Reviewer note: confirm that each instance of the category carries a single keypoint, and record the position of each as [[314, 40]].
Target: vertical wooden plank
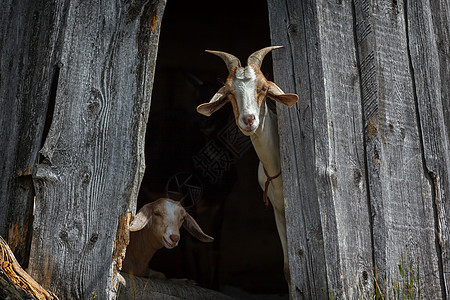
[[400, 189], [322, 148], [440, 14], [428, 31], [93, 160], [26, 72], [304, 229]]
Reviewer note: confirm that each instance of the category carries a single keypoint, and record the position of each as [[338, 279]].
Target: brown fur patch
[[233, 101]]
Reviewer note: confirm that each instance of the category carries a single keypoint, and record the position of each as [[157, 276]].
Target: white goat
[[246, 89], [155, 226]]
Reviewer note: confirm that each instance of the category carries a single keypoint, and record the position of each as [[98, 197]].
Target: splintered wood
[[12, 269]]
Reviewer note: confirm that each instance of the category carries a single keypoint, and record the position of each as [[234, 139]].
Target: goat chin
[[248, 131]]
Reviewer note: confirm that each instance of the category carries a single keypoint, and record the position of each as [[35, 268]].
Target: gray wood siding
[[365, 151], [26, 75], [94, 61], [429, 40]]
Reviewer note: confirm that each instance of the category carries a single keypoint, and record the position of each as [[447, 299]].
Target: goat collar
[[266, 185]]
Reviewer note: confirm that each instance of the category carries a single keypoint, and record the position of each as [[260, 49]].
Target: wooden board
[[92, 160], [400, 188], [132, 287], [428, 32], [322, 150], [15, 283], [366, 150], [26, 74]]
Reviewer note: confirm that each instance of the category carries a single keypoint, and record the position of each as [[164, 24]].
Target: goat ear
[[142, 218], [217, 101], [275, 93], [192, 227]]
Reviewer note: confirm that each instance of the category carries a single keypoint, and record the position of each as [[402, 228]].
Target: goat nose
[[248, 119], [175, 238]]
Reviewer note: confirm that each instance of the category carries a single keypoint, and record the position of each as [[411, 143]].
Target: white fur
[[172, 214], [244, 88]]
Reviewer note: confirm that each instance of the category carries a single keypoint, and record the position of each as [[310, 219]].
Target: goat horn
[[257, 57], [231, 60]]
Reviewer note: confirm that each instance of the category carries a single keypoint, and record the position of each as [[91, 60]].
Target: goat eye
[[156, 213]]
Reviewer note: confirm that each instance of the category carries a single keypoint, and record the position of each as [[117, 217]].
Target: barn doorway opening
[[207, 162]]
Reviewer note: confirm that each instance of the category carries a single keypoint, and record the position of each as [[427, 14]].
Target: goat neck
[[266, 142], [141, 249]]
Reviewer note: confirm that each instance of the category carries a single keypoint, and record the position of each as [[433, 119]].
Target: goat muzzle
[[248, 119], [174, 238]]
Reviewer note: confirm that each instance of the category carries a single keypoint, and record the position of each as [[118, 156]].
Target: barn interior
[[206, 162]]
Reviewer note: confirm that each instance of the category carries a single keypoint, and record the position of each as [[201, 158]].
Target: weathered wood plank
[[93, 160], [430, 62], [132, 287], [304, 229], [26, 74], [400, 190], [323, 149], [24, 284], [8, 290], [440, 14]]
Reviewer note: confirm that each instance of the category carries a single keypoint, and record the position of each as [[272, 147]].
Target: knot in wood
[[365, 276], [292, 28], [63, 235], [94, 238]]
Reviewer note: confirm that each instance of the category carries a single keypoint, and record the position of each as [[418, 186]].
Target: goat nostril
[[248, 119], [175, 238]]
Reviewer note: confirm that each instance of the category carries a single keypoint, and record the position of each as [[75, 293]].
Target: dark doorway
[[217, 163]]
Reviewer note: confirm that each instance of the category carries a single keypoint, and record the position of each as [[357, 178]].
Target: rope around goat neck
[[266, 185]]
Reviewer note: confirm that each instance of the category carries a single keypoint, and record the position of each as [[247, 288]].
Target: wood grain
[[132, 287], [26, 75], [400, 188], [92, 159], [24, 285], [430, 64], [366, 149], [322, 149]]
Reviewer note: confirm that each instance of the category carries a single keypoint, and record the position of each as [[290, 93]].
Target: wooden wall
[[366, 150], [85, 68]]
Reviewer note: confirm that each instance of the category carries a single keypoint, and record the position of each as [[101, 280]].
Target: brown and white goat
[[247, 88], [155, 226]]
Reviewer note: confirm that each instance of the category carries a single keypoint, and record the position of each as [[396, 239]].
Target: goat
[[156, 225], [246, 89]]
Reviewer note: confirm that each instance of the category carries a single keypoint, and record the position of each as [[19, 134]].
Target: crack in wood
[[15, 273]]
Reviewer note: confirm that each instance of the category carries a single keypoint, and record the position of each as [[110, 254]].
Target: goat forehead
[[173, 210], [244, 83], [246, 73]]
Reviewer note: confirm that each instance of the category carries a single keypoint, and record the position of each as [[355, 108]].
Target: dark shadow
[[192, 156]]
